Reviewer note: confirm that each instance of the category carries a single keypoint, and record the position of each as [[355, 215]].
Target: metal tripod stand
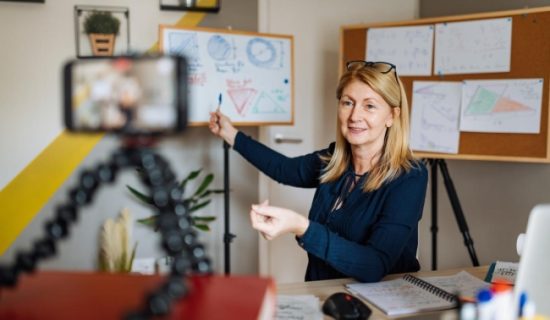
[[457, 209]]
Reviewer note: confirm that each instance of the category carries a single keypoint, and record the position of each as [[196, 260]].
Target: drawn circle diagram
[[219, 48], [261, 52]]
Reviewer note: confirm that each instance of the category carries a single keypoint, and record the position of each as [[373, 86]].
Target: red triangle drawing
[[509, 105], [241, 98]]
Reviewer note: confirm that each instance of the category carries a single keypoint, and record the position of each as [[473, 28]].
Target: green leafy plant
[[101, 22], [195, 201]]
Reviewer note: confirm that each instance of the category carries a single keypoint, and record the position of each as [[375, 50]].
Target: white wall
[[35, 41]]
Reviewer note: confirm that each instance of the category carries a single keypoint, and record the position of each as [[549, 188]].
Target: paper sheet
[[463, 283], [473, 46], [435, 116], [501, 106], [409, 48], [298, 307]]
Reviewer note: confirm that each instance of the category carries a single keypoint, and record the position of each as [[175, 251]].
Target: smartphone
[[126, 95]]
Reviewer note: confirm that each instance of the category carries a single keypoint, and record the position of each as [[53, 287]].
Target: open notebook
[[410, 294]]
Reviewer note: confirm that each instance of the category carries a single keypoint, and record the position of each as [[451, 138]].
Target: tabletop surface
[[323, 289]]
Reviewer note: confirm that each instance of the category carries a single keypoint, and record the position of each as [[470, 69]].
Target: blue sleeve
[[398, 221], [303, 171]]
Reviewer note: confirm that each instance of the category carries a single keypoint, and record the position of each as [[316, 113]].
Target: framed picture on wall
[[191, 5], [101, 31], [35, 1]]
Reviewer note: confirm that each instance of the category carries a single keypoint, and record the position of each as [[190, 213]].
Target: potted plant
[[193, 201], [102, 28], [116, 252]]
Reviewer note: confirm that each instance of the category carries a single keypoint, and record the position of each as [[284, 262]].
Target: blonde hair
[[395, 155]]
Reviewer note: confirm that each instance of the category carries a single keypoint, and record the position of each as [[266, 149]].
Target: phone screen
[[126, 94]]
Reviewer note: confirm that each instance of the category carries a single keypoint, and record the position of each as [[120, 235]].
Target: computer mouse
[[341, 305]]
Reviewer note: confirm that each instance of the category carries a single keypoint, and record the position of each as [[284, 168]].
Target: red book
[[81, 295]]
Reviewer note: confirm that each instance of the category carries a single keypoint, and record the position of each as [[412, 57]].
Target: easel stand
[[227, 235], [457, 209]]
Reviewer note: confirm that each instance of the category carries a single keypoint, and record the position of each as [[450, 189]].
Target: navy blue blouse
[[369, 236]]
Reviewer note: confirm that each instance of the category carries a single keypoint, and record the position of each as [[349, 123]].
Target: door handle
[[279, 138]]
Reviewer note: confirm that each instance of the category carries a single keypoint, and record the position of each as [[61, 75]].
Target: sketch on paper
[[252, 72], [435, 116], [409, 48], [501, 106], [473, 46]]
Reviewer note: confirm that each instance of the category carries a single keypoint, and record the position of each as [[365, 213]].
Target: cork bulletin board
[[530, 58]]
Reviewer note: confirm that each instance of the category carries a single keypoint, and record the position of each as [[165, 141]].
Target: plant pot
[[102, 44]]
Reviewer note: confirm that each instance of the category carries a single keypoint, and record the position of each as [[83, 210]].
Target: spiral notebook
[[410, 294]]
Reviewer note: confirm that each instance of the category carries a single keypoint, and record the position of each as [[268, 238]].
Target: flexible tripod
[[457, 210], [173, 220]]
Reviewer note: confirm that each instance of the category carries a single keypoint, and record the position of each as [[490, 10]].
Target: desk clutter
[[410, 294], [502, 270]]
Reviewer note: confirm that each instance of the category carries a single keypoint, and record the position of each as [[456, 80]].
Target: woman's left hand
[[272, 222]]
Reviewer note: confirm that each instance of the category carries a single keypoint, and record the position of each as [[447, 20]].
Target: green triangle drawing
[[266, 104]]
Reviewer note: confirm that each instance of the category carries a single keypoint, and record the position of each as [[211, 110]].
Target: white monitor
[[534, 266]]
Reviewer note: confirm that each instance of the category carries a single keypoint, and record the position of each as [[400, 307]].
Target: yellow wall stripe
[[31, 189]]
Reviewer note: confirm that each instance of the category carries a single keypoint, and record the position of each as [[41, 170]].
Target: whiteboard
[[251, 72]]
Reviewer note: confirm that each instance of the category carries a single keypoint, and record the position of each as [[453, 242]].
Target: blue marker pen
[[219, 102], [522, 301]]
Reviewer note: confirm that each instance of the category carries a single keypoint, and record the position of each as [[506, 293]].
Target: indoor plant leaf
[[150, 221], [144, 198], [192, 175], [210, 191], [202, 227], [199, 206], [204, 219], [204, 185]]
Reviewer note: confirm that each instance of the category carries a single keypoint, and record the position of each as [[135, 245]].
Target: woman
[[363, 221]]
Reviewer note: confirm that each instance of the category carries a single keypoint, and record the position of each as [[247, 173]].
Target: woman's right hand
[[221, 126]]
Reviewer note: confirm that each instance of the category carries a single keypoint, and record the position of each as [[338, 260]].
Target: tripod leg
[[459, 214], [227, 236], [434, 228]]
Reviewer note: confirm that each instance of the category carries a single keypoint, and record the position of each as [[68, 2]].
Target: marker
[[219, 102]]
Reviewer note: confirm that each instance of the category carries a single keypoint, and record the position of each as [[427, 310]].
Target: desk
[[323, 289]]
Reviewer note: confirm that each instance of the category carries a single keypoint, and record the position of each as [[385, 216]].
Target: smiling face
[[364, 116]]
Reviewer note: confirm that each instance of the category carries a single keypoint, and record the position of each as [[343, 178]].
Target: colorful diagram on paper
[[501, 106], [488, 101]]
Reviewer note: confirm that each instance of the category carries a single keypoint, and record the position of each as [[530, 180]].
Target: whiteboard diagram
[[501, 106], [185, 44], [435, 115], [253, 73]]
